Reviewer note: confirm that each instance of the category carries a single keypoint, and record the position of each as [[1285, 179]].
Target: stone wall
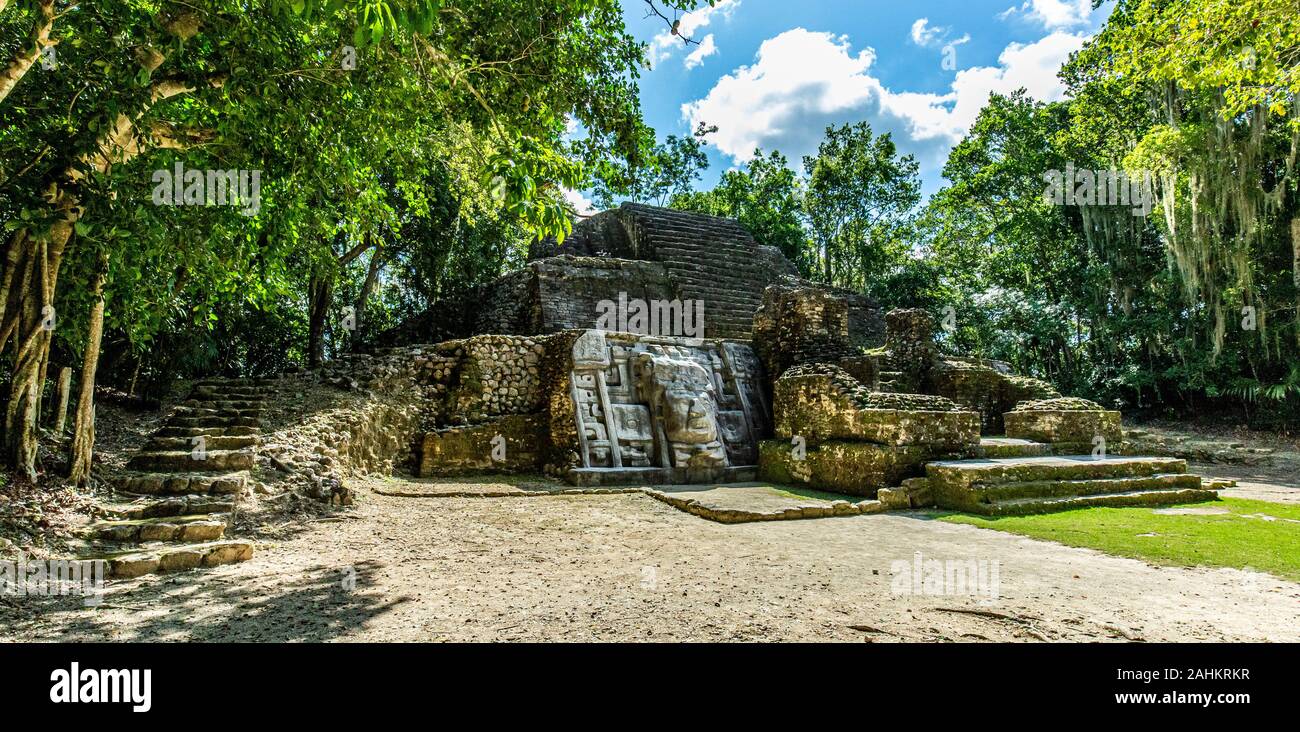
[[1070, 424], [506, 305], [568, 289], [666, 403], [512, 444], [604, 234], [594, 401], [982, 388], [834, 433], [475, 379], [820, 402]]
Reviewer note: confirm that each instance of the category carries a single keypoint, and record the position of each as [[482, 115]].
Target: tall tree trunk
[[20, 288], [367, 289], [83, 431], [14, 71], [14, 248], [61, 409], [25, 316], [35, 329], [1295, 272], [320, 295]]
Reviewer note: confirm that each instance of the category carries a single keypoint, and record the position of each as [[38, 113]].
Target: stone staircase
[[711, 259], [1021, 479], [184, 485]]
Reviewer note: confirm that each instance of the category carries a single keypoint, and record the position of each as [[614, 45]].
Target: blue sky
[[775, 73]]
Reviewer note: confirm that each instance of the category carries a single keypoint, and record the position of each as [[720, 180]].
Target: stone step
[[714, 300], [183, 505], [739, 283], [174, 431], [151, 484], [1009, 447], [1024, 506], [231, 392], [224, 408], [696, 230], [963, 473], [236, 382], [134, 563], [193, 528], [185, 460], [210, 442], [669, 234], [190, 410], [212, 421], [739, 276], [746, 267], [1000, 492]]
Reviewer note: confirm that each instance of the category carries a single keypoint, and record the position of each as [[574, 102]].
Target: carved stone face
[[685, 395], [684, 398], [690, 416]]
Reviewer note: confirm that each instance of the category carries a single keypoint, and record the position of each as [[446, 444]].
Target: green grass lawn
[[1243, 537]]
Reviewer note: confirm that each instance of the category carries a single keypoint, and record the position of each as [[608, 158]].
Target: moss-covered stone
[[977, 385], [1074, 427], [468, 450], [855, 468], [821, 402]]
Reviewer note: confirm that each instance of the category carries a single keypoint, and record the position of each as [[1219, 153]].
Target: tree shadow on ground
[[323, 603]]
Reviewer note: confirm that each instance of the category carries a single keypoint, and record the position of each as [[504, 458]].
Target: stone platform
[[591, 477], [737, 503], [1025, 485]]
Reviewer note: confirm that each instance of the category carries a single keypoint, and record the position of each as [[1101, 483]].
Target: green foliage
[[858, 198], [1141, 310], [658, 173], [436, 142]]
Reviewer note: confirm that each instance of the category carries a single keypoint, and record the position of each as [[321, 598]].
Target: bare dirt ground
[[627, 568]]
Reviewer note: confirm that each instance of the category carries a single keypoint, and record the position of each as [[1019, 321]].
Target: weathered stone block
[[180, 559], [1064, 421], [855, 468], [830, 405], [133, 565], [467, 450]]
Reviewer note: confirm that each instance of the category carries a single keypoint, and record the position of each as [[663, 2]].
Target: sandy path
[[1279, 482], [627, 567]]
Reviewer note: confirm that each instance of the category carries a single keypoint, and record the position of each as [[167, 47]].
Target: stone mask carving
[[682, 394]]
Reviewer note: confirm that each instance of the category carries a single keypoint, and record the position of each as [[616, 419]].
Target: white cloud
[[663, 45], [1054, 14], [1033, 66], [581, 203], [924, 34], [706, 48], [803, 81]]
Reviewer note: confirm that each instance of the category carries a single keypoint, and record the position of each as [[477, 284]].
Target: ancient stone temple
[[640, 253], [788, 381], [596, 407]]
